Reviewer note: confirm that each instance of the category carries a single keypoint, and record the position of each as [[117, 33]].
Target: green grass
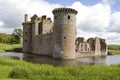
[[14, 69], [6, 47], [115, 51]]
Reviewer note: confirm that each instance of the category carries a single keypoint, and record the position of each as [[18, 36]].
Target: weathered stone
[[58, 39], [92, 47]]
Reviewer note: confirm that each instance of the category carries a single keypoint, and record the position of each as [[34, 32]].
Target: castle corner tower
[[64, 32]]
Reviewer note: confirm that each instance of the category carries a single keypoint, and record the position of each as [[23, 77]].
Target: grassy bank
[[114, 51], [8, 47], [13, 69]]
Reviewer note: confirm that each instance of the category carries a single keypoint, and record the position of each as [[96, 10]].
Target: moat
[[108, 60]]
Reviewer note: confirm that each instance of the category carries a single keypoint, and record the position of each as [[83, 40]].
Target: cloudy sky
[[95, 18]]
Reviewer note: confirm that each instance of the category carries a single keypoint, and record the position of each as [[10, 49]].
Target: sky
[[95, 18]]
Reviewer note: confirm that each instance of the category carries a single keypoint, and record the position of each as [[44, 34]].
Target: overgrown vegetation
[[9, 47], [115, 49], [14, 38], [13, 69]]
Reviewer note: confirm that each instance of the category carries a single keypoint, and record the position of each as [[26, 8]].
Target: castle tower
[[27, 35], [26, 18], [65, 32]]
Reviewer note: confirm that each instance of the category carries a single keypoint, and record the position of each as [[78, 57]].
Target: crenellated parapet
[[41, 19], [69, 10]]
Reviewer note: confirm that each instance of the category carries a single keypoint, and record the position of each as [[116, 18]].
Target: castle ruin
[[58, 39]]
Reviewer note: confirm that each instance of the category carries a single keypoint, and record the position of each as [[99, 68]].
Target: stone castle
[[58, 39]]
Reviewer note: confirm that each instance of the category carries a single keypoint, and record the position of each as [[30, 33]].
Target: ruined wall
[[91, 41], [38, 35], [92, 47], [65, 32], [43, 44], [103, 47], [84, 47], [77, 42], [42, 36], [47, 25], [97, 46]]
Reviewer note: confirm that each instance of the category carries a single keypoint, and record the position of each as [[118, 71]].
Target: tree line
[[14, 38], [114, 47]]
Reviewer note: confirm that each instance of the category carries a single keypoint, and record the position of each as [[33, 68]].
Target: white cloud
[[111, 37], [115, 22], [92, 18], [1, 23], [12, 11]]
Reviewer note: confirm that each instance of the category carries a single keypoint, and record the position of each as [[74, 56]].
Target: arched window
[[68, 16]]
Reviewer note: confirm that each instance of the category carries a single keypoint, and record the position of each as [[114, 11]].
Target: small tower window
[[55, 17], [25, 40], [64, 37], [26, 33], [68, 16]]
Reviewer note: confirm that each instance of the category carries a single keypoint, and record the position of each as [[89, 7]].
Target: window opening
[[68, 16], [25, 40], [64, 37]]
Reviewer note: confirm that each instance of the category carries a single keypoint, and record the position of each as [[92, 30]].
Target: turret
[[26, 18], [27, 35], [65, 32]]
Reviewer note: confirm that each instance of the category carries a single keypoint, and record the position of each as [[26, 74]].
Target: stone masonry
[[58, 39]]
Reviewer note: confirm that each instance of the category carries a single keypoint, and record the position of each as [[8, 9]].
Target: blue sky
[[70, 2], [115, 5], [95, 18]]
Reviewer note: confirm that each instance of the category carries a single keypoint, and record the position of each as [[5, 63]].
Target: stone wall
[[91, 47], [43, 44]]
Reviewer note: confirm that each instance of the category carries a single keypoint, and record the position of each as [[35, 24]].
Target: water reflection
[[113, 59], [48, 60]]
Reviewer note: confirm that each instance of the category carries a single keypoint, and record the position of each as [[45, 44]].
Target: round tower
[[65, 32]]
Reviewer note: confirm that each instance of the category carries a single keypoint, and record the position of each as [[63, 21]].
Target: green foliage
[[13, 38], [17, 33], [115, 49], [14, 69], [8, 47], [6, 38]]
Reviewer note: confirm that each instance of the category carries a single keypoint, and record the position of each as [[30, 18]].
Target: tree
[[17, 33]]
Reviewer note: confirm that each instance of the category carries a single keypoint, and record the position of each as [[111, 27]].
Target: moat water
[[108, 60]]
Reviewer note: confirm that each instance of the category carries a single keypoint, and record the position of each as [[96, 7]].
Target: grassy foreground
[[4, 47], [14, 69]]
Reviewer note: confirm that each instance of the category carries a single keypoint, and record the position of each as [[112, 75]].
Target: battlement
[[57, 10], [45, 18], [40, 19]]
